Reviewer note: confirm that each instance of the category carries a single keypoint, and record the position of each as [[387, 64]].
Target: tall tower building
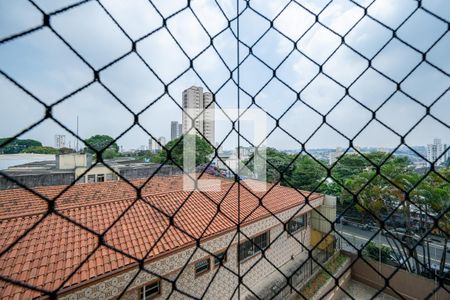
[[175, 130], [435, 150], [196, 103]]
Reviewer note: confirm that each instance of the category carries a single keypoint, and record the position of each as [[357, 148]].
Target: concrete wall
[[332, 291], [145, 172], [328, 210], [38, 180], [72, 161], [410, 286], [224, 284], [97, 170]]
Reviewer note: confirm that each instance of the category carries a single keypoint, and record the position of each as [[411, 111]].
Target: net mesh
[[249, 57]]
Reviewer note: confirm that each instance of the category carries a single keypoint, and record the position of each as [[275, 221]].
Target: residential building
[[153, 145], [9, 160], [229, 161], [199, 113], [176, 130], [334, 155], [276, 237], [435, 150], [78, 168], [162, 141]]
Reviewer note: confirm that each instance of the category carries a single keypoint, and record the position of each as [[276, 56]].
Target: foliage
[[202, 150], [41, 150], [103, 143], [374, 251], [17, 145], [145, 155], [301, 172], [109, 154], [66, 150], [321, 278], [307, 174]]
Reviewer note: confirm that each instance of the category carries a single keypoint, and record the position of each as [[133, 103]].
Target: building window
[[202, 266], [150, 291], [109, 177], [91, 178], [100, 178], [297, 223], [220, 258], [253, 246]]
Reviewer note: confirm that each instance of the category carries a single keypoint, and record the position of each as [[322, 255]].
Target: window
[[100, 178], [202, 267], [150, 291], [297, 223], [91, 178], [109, 177], [220, 257], [253, 246]]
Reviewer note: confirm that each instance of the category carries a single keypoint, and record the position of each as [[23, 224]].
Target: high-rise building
[[162, 140], [60, 141], [334, 155], [435, 150], [153, 145], [199, 105], [176, 130]]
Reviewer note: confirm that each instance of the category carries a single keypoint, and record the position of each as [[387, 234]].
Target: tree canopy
[[103, 142], [41, 150], [17, 145], [301, 172], [202, 150]]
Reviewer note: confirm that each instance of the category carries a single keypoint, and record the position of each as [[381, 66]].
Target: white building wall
[[281, 252]]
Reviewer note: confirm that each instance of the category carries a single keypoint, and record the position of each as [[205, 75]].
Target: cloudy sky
[[295, 47]]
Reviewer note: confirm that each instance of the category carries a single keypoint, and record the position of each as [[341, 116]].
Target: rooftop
[[55, 247]]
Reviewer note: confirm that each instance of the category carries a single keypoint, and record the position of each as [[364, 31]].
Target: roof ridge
[[92, 204]]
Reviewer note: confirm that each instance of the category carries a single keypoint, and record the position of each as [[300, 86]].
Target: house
[[65, 169], [102, 241]]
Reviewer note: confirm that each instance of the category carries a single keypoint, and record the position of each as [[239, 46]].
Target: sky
[[47, 68]]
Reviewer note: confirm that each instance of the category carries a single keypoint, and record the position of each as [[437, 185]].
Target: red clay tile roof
[[56, 248]]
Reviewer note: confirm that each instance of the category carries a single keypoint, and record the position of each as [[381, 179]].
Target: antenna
[[76, 148]]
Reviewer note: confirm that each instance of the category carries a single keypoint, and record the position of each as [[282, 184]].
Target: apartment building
[[436, 152], [199, 247], [176, 130], [199, 113]]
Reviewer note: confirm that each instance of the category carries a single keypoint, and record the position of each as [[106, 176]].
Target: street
[[357, 237]]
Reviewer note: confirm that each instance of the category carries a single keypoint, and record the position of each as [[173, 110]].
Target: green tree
[[349, 165], [109, 154], [17, 145], [66, 150], [277, 162], [100, 142], [432, 196], [202, 150], [145, 155], [41, 150], [308, 174], [376, 252]]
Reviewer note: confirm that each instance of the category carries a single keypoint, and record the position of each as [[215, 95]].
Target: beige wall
[[94, 171], [225, 282], [417, 287], [71, 161]]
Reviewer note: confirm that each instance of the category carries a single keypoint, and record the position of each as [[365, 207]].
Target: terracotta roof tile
[[54, 249]]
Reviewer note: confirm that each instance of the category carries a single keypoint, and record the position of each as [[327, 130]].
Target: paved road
[[357, 237]]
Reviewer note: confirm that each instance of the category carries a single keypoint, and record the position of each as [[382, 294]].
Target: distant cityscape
[[199, 105]]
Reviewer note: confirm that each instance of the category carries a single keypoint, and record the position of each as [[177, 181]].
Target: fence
[[249, 67]]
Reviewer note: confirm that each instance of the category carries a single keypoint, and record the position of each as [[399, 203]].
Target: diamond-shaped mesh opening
[[321, 162]]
